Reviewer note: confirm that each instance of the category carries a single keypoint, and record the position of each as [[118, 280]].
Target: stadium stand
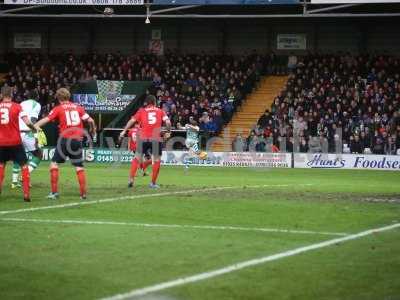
[[324, 97], [357, 97], [209, 87], [256, 103], [2, 78]]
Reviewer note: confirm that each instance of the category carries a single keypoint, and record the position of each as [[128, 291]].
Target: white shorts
[[29, 141], [192, 145]]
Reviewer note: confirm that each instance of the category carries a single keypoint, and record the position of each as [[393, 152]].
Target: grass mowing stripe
[[246, 264], [4, 212], [209, 227]]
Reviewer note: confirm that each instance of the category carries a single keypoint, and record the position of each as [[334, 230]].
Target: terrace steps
[[251, 110]]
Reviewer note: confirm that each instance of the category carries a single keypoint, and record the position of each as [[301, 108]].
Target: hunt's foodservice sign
[[346, 161]]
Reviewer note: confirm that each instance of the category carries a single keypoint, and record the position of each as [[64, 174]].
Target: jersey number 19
[[72, 118]]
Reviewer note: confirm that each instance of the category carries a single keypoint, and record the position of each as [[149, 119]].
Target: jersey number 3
[[4, 116], [72, 118]]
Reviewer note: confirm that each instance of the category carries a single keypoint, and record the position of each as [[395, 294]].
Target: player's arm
[[168, 126], [180, 127], [195, 128], [128, 125], [28, 123], [51, 117], [36, 113], [39, 124], [129, 143], [92, 124]]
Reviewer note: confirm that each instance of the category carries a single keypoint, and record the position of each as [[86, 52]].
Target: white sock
[[15, 177]]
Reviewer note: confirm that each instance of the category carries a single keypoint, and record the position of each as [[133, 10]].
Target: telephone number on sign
[[114, 158]]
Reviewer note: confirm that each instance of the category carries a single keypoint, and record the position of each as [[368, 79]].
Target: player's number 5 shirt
[[150, 119]]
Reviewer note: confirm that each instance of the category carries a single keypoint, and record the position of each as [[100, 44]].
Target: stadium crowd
[[327, 97], [209, 87], [356, 98]]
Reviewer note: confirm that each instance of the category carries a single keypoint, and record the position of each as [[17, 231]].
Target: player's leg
[[135, 165], [156, 152], [58, 158], [197, 152], [186, 160], [54, 177], [20, 157], [131, 170], [31, 146], [195, 149], [146, 163], [2, 170], [16, 170], [75, 153], [35, 159], [137, 161], [3, 161], [81, 175]]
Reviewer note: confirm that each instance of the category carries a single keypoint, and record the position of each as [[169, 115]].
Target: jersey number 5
[[4, 116], [151, 118], [72, 118]]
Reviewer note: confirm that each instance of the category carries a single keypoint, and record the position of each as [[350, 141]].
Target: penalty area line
[[132, 197], [243, 265], [174, 226]]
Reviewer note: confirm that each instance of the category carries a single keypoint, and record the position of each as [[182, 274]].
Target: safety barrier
[[250, 159]]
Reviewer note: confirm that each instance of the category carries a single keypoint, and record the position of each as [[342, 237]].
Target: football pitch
[[209, 233]]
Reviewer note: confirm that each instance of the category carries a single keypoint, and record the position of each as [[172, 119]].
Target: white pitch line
[[242, 265], [4, 212], [152, 225]]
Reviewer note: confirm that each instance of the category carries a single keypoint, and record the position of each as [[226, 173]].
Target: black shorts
[[148, 147], [69, 148], [14, 153]]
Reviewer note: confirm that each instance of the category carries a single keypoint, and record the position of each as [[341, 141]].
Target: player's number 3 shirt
[[10, 113]]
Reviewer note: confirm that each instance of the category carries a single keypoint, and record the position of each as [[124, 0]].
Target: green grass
[[90, 261]]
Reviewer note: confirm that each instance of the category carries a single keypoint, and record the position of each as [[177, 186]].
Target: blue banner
[[108, 96]]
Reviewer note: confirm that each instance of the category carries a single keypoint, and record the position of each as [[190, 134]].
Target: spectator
[[349, 96], [239, 144], [215, 84], [303, 148], [264, 119], [292, 62], [378, 147], [356, 145]]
